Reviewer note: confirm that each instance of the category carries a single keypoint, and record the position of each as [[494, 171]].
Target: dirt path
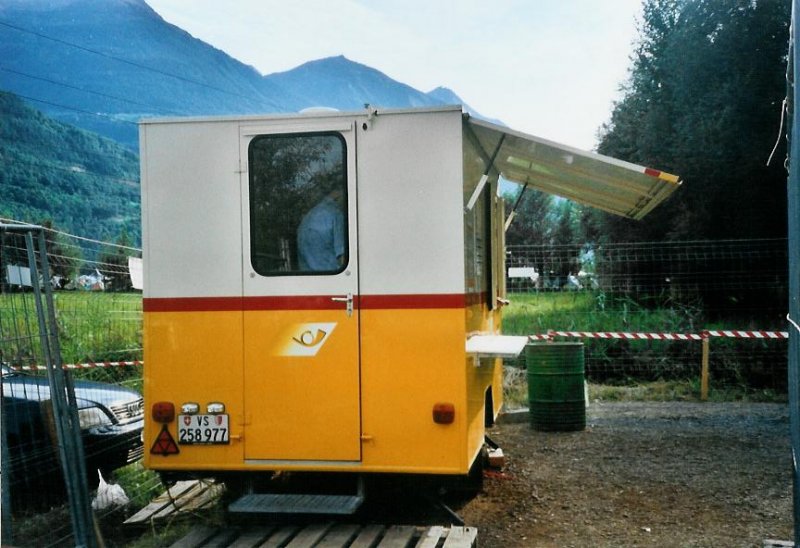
[[643, 474]]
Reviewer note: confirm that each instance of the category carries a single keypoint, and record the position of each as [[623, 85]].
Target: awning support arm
[[485, 176], [516, 205]]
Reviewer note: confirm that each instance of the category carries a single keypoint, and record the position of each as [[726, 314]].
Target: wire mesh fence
[[659, 288], [729, 276], [651, 288], [94, 325]]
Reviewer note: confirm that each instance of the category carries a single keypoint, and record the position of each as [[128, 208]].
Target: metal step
[[293, 503]]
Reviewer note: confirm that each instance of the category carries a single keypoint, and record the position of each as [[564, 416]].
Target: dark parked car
[[111, 420]]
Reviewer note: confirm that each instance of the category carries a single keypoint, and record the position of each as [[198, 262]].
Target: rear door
[[300, 293]]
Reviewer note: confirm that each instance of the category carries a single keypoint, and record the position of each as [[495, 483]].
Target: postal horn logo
[[309, 339], [306, 339]]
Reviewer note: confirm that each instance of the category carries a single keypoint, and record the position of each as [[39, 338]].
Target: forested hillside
[[85, 184]]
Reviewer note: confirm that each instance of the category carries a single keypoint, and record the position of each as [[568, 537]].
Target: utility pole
[[794, 262]]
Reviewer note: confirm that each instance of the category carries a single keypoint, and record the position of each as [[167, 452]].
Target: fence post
[[6, 537], [704, 367], [62, 395]]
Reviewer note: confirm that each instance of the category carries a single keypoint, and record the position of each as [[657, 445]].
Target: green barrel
[[556, 394]]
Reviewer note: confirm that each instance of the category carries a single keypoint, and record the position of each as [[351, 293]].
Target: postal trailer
[[384, 359]]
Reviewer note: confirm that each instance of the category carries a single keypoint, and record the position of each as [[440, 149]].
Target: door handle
[[348, 299]]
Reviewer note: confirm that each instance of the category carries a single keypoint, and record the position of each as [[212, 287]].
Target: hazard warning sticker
[[164, 444]]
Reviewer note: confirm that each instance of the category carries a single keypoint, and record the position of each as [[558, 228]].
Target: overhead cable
[[64, 84], [122, 60]]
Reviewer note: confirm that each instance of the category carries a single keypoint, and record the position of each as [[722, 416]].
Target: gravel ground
[[642, 474]]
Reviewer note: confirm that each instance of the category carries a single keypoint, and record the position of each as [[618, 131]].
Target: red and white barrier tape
[[539, 337], [751, 334], [637, 336], [662, 336], [87, 365]]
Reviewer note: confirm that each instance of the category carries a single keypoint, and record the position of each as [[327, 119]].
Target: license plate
[[203, 429]]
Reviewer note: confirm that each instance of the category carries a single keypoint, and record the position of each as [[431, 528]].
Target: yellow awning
[[592, 179]]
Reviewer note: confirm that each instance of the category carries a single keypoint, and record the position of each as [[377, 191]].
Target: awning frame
[[612, 185]]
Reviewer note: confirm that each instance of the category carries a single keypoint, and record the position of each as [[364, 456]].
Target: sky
[[551, 68]]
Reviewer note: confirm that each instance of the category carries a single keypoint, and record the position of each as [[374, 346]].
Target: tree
[[64, 258], [565, 230], [703, 100], [114, 263], [532, 224]]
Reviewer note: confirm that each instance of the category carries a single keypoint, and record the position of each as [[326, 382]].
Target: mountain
[[103, 64], [120, 60], [345, 85], [86, 184], [446, 96]]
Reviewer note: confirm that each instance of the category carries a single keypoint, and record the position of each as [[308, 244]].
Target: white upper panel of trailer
[[592, 179]]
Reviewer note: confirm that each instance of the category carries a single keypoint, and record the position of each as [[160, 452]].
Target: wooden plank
[[224, 537], [338, 536], [398, 536], [704, 371], [158, 503], [197, 536], [184, 500], [203, 498], [368, 536], [330, 535], [310, 535], [461, 537], [430, 539], [252, 537], [280, 537]]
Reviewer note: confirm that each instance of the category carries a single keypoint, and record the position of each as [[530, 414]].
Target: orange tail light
[[444, 413]]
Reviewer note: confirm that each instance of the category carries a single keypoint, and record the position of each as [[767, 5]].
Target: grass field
[[534, 313], [92, 327], [645, 370]]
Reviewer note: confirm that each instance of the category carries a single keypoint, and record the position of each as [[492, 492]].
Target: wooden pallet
[[330, 535], [187, 496], [184, 496]]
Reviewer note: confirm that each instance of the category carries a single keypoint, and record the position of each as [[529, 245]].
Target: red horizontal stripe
[[310, 302], [301, 302], [192, 304], [377, 302]]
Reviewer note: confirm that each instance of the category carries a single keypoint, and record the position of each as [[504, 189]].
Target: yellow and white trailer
[[386, 360]]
